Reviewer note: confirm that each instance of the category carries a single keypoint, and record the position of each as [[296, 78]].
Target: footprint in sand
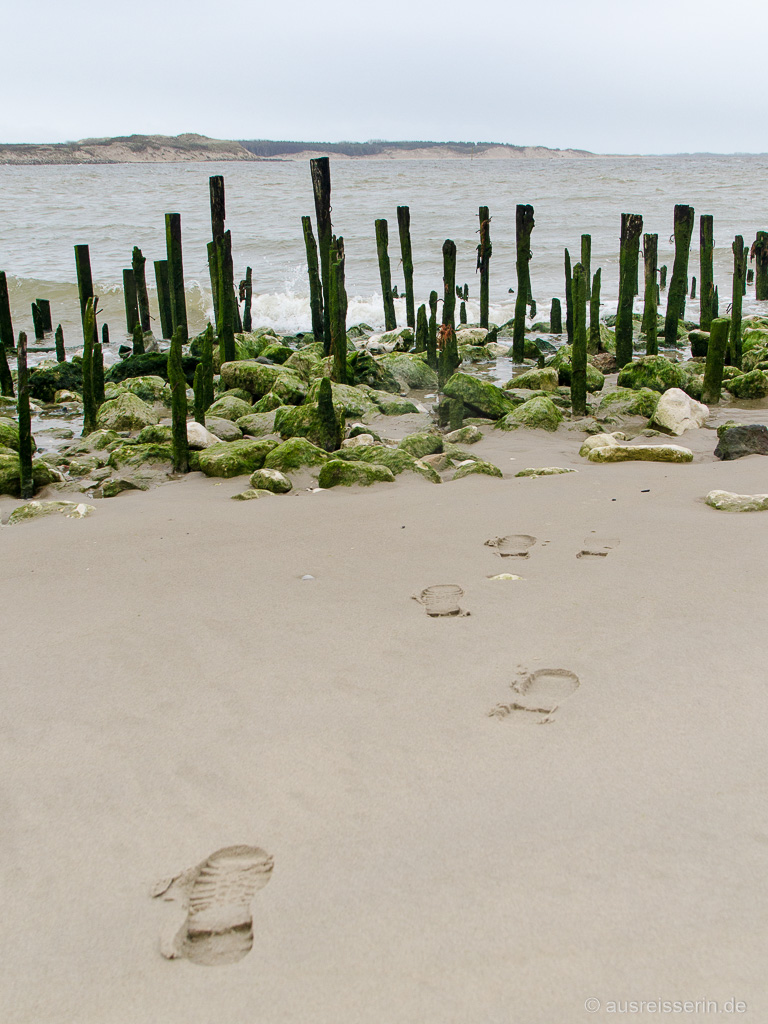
[[516, 545], [213, 924], [539, 693], [597, 547], [441, 600]]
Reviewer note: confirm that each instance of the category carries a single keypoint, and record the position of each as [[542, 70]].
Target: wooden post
[[213, 273], [84, 283], [404, 227], [338, 298], [61, 354], [449, 283], [6, 324], [706, 271], [750, 276], [131, 302], [448, 360], [579, 353], [715, 304], [218, 206], [206, 362], [524, 225], [568, 298], [44, 306], [382, 244], [37, 322], [586, 262], [89, 398], [713, 371], [684, 216], [198, 387], [320, 169], [593, 344], [164, 297], [178, 382], [176, 274], [138, 340], [650, 254], [422, 330], [248, 297], [462, 312], [663, 276], [315, 284], [760, 254], [138, 262], [432, 332], [484, 253], [6, 377], [693, 288], [631, 229], [104, 336], [226, 289], [739, 273], [97, 374], [25, 428], [555, 318]]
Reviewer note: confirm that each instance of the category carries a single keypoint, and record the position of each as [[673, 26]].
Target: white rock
[[471, 335], [598, 441], [727, 501], [359, 440], [198, 436], [498, 350], [678, 412]]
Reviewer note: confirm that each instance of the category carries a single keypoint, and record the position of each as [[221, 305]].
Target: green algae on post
[[44, 306], [555, 317], [90, 408], [6, 323], [61, 353], [579, 352], [650, 253], [631, 229], [593, 345], [198, 388], [97, 374], [84, 283], [246, 293], [25, 422], [37, 322], [338, 311], [176, 274], [449, 283], [422, 330], [320, 170], [315, 284], [739, 273], [178, 382], [462, 312], [227, 304], [713, 372], [138, 340], [404, 227], [138, 262], [586, 262], [524, 225], [164, 297], [484, 253], [131, 302], [218, 206], [760, 255], [432, 332], [206, 365], [385, 274], [568, 298], [684, 217]]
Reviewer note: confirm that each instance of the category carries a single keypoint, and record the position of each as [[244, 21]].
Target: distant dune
[[190, 148]]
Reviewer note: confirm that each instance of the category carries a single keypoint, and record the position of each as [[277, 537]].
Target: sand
[[172, 686]]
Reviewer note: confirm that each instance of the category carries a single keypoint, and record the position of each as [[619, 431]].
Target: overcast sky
[[612, 76]]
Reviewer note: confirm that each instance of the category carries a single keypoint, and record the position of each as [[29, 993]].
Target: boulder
[[699, 342], [268, 403], [626, 402], [126, 412], [10, 478], [135, 455], [44, 383], [537, 414], [409, 370], [228, 407], [655, 372], [67, 398], [251, 493], [471, 335], [155, 433], [149, 389], [37, 509], [676, 412], [199, 437], [641, 453], [9, 434], [148, 364], [755, 359], [225, 430], [421, 444], [477, 466], [605, 362], [321, 422], [562, 360], [738, 441], [293, 454], [389, 404], [306, 364], [260, 378], [354, 401], [358, 440], [545, 471], [259, 424], [536, 380], [478, 395], [270, 480], [395, 459], [277, 352], [599, 441], [336, 472], [749, 385], [117, 485], [464, 435], [234, 458], [362, 368], [727, 501]]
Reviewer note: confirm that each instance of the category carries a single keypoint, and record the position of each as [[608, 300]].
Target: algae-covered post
[[524, 225], [176, 273], [750, 276], [449, 283], [178, 382], [44, 306], [37, 322], [338, 300], [715, 304], [198, 388], [422, 330], [713, 371], [739, 273], [555, 317], [760, 255], [138, 262], [218, 206], [315, 285], [320, 170], [226, 298], [568, 298], [462, 312], [663, 276], [593, 344], [650, 254], [84, 283], [579, 352], [89, 398], [105, 335], [693, 287], [97, 374], [164, 297], [6, 323], [404, 227], [631, 229], [131, 302], [432, 331], [484, 253], [61, 354], [684, 216], [247, 299], [138, 340], [206, 362], [586, 262], [382, 250], [25, 422]]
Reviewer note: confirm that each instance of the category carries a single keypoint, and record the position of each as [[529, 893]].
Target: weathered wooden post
[[44, 306], [320, 170], [25, 421], [579, 352], [61, 354], [715, 304], [684, 216], [338, 299], [6, 377], [650, 323], [315, 284], [484, 253], [449, 283], [462, 312], [131, 302], [138, 340], [218, 206], [555, 317], [631, 229], [138, 262], [760, 254], [739, 273], [586, 262], [432, 359], [404, 227], [331, 435], [176, 274], [37, 322], [422, 330], [524, 225], [84, 283], [206, 362], [382, 249], [178, 382], [89, 339], [248, 300], [593, 344], [713, 371], [104, 336], [750, 276], [568, 298], [706, 269], [198, 387], [226, 288], [97, 375], [164, 297], [693, 288], [6, 323]]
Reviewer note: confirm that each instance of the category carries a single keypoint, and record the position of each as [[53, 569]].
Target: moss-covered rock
[[471, 336], [9, 434], [270, 480], [225, 430], [95, 442], [626, 402], [268, 403], [155, 434], [395, 459], [336, 472], [362, 368], [293, 454], [230, 408], [477, 466], [306, 364], [321, 423], [234, 458], [83, 465], [544, 471], [475, 353], [135, 455], [148, 389], [260, 378], [749, 385], [562, 362], [38, 509], [479, 396], [10, 479], [755, 359], [753, 338], [148, 364], [259, 424], [536, 380], [126, 412], [409, 370], [251, 494], [354, 401], [421, 444], [727, 501], [44, 383], [464, 435], [537, 414], [277, 352], [655, 372], [641, 453], [389, 404]]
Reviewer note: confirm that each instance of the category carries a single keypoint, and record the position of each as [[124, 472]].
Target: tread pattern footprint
[[539, 693], [598, 547], [215, 898], [516, 545]]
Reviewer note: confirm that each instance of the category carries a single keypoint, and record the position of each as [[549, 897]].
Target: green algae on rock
[[727, 501], [9, 434], [229, 407], [539, 413], [655, 372], [544, 471], [265, 479], [293, 454], [421, 444], [251, 494], [477, 466], [234, 458], [126, 412], [409, 370], [626, 402], [478, 395], [749, 385], [395, 459], [37, 509], [337, 472], [546, 379], [10, 475], [641, 453]]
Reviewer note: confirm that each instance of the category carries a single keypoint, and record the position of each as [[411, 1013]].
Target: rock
[[148, 364], [561, 362], [111, 488], [155, 433], [36, 509], [626, 402], [736, 442], [755, 359], [474, 353], [536, 380], [754, 338], [9, 434], [409, 370], [126, 412], [306, 364], [260, 378], [259, 424], [295, 453], [421, 444], [471, 335], [84, 465], [234, 458], [44, 383], [270, 480], [225, 430], [149, 389], [699, 342], [464, 435], [477, 466], [479, 395], [438, 462], [336, 472], [389, 404], [199, 437], [277, 353], [268, 403], [536, 414], [599, 441], [250, 494], [357, 440], [641, 453], [676, 412], [727, 501], [136, 455], [362, 428], [354, 401], [230, 408], [654, 372], [67, 398], [605, 362], [95, 442], [395, 459], [749, 385], [10, 479], [59, 433], [545, 471], [322, 425]]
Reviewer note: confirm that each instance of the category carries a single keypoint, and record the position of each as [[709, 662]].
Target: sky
[[610, 76]]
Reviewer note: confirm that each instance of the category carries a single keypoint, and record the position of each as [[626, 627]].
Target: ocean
[[46, 210]]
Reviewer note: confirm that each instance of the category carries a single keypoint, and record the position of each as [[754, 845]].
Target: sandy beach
[[174, 686]]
